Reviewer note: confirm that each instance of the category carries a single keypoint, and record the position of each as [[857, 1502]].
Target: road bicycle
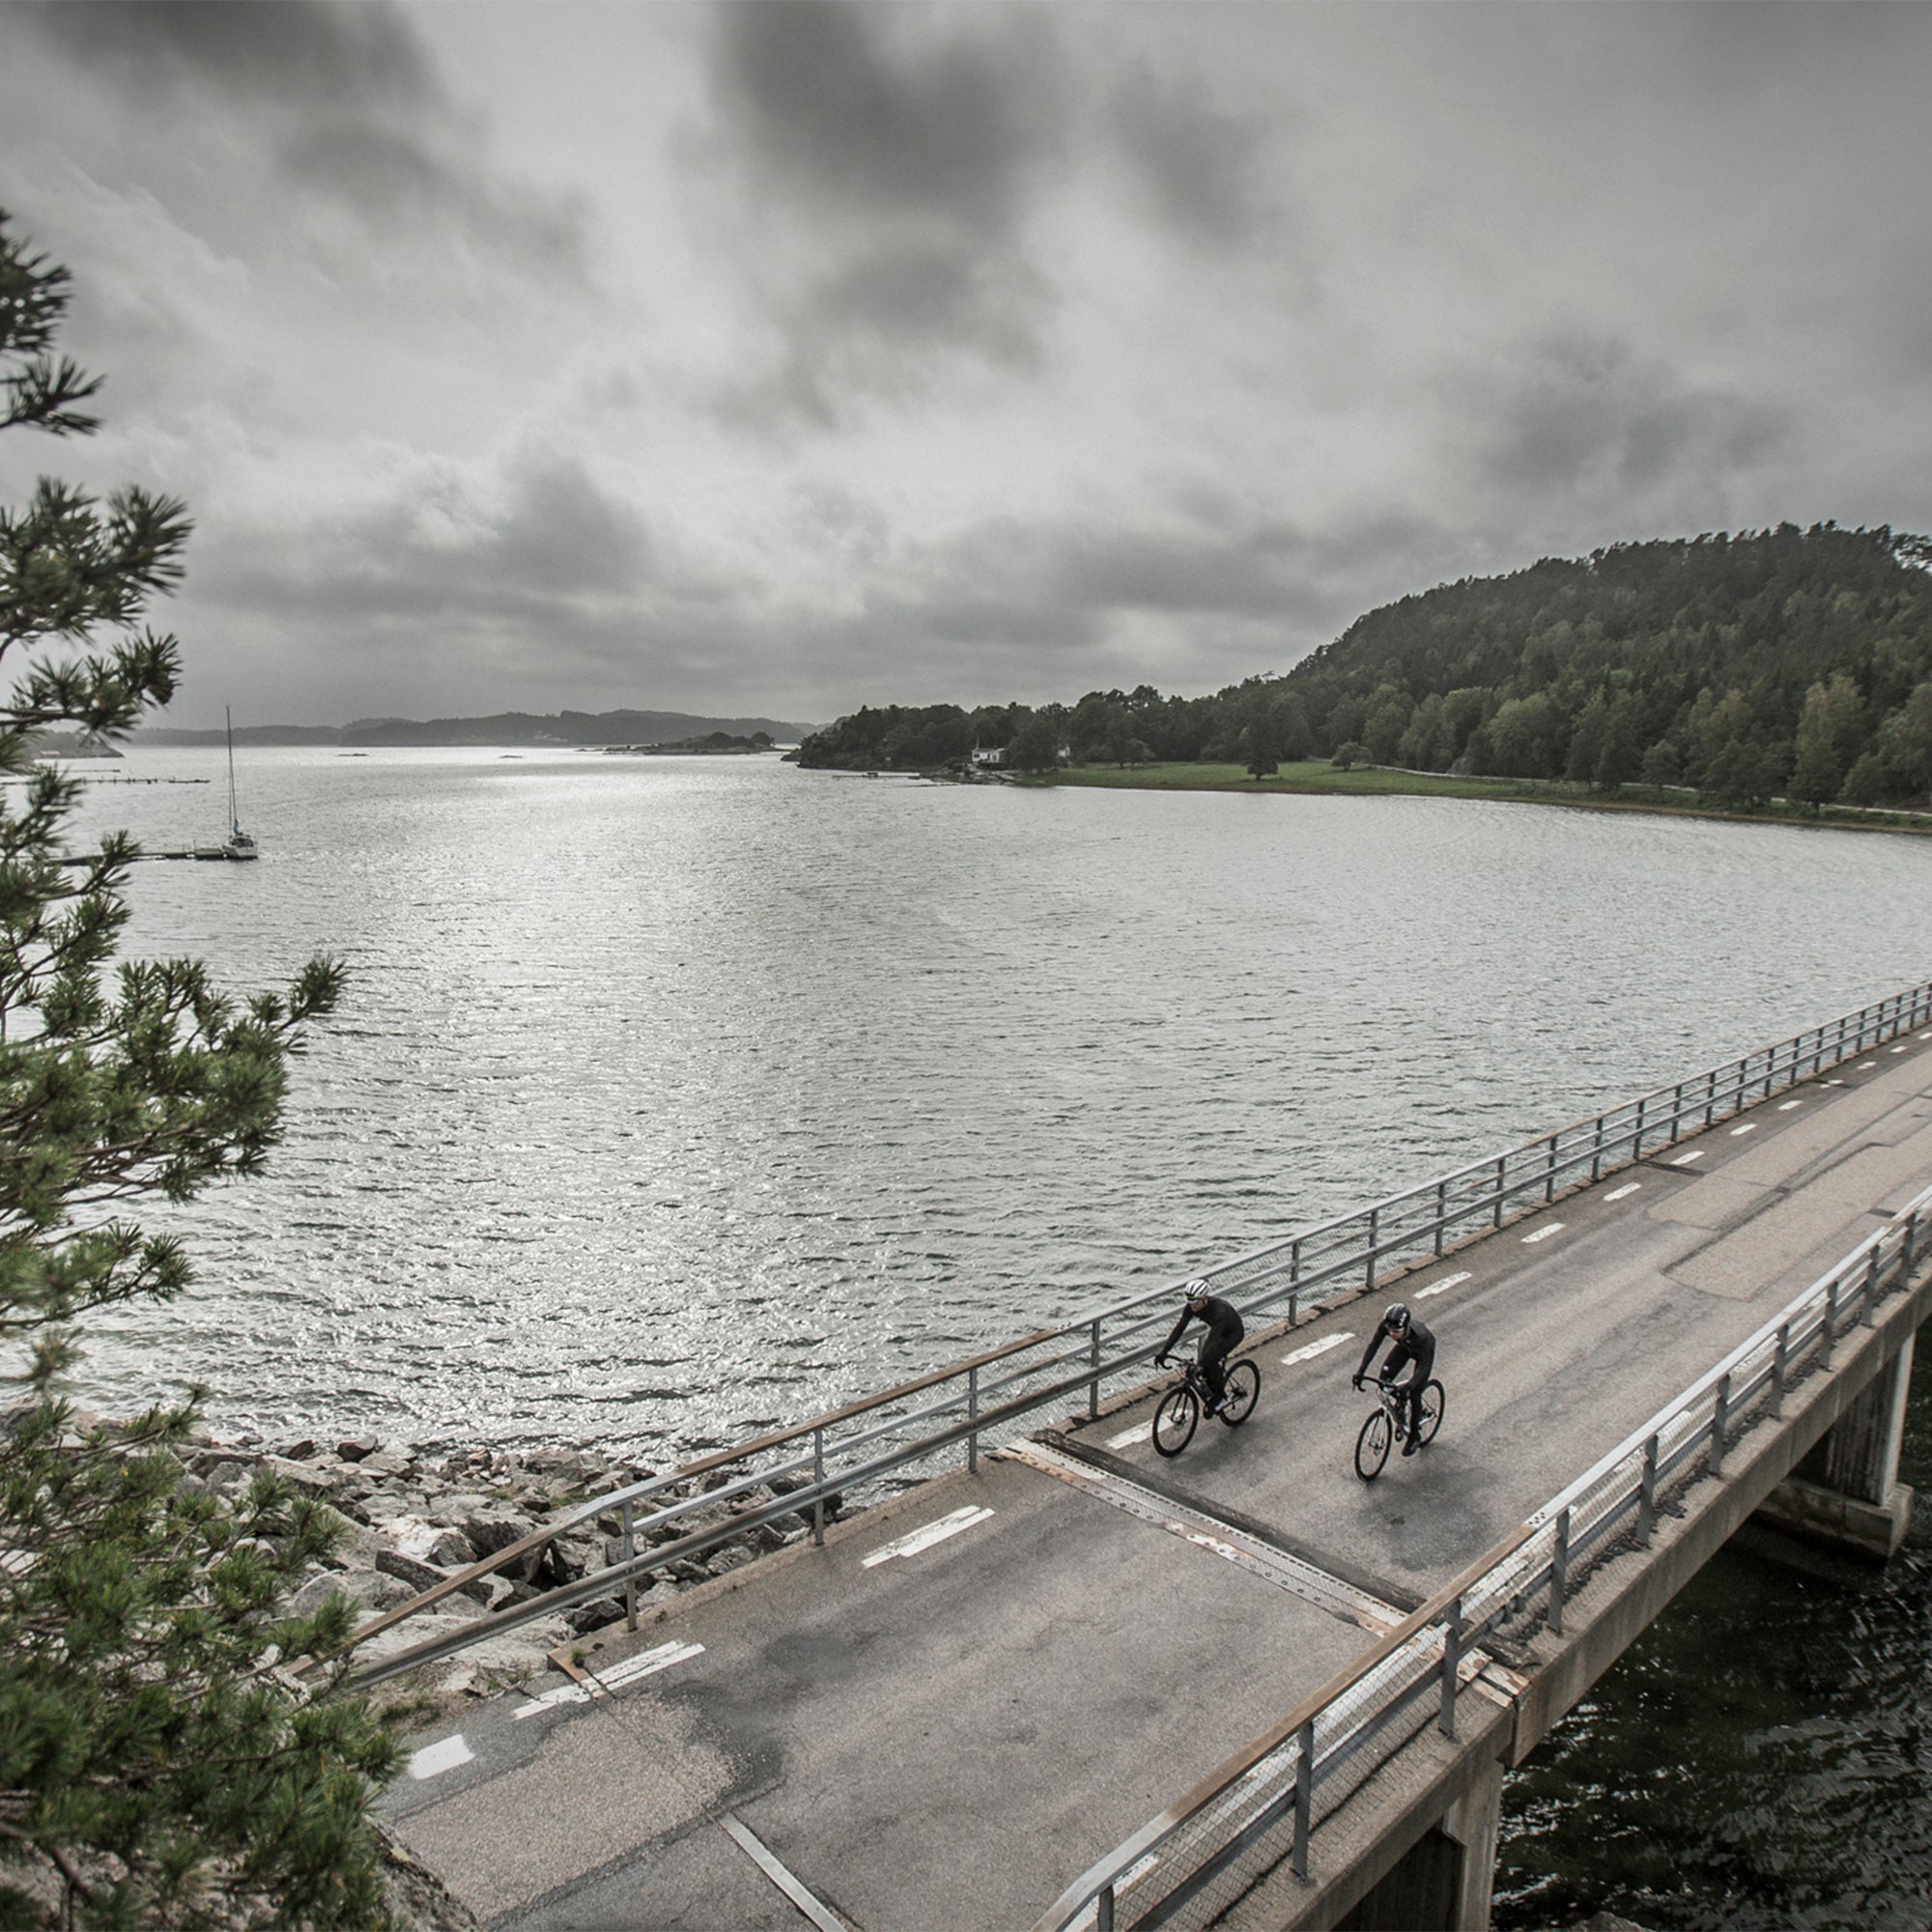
[[1180, 1408], [1386, 1423]]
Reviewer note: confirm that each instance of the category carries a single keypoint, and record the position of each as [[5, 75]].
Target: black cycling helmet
[[1397, 1317], [1194, 1291]]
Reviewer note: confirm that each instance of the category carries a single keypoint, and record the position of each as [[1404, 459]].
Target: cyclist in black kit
[[1224, 1330], [1413, 1343]]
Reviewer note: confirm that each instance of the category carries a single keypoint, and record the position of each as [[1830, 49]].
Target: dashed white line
[[1901, 1049], [1543, 1233], [916, 1540], [433, 1760], [1749, 1127], [1313, 1349], [1448, 1281], [1866, 1066], [1685, 1159], [1139, 1432], [647, 1663], [1785, 1106], [1628, 1187]]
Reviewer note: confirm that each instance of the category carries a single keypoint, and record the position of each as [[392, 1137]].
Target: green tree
[[158, 1766], [1040, 740], [1350, 754]]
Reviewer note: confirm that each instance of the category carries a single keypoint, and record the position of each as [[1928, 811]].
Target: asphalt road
[[949, 1711]]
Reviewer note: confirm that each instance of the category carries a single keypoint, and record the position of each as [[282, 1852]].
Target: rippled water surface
[[674, 1096]]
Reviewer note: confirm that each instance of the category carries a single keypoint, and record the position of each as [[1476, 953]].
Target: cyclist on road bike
[[1413, 1343], [1224, 1330]]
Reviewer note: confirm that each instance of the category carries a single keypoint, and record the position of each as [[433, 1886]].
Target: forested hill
[[1785, 662]]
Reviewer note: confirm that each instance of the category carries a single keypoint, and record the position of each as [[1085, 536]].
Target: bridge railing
[[807, 1472], [1262, 1807]]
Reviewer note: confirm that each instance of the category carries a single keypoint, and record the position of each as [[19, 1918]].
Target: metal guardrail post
[[1501, 1158], [1636, 1139], [1646, 1496], [1721, 1416], [1710, 1097], [1442, 1210], [1677, 1113], [1103, 1911], [1559, 1572], [1549, 1175], [1868, 1302], [818, 1483], [1597, 1154], [1779, 1357], [1375, 1223], [1452, 1661], [1094, 1387], [1828, 1330], [1304, 1795], [630, 1583], [972, 1416]]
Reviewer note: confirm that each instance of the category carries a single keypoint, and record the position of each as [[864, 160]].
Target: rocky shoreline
[[416, 1514]]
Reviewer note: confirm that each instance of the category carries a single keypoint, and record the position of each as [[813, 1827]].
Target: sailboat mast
[[234, 823]]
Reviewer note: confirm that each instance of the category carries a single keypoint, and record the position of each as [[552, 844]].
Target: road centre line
[[924, 1538], [774, 1868], [602, 1683], [1293, 1574], [1442, 1286], [1313, 1349], [1785, 1106], [1628, 1187], [1901, 1049], [1685, 1159], [1749, 1127], [433, 1760], [1543, 1233]]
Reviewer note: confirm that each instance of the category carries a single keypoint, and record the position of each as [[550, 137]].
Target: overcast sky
[[783, 358]]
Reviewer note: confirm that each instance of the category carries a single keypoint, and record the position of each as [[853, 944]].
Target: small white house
[[989, 755]]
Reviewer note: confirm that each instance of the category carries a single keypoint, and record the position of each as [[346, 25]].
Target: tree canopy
[[158, 1764], [1786, 661]]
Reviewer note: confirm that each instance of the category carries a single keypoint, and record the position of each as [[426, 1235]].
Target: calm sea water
[[674, 1097]]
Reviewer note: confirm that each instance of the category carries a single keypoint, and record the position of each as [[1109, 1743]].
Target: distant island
[[712, 745], [598, 728], [1781, 669]]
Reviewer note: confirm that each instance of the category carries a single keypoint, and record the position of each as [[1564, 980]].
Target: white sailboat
[[239, 845]]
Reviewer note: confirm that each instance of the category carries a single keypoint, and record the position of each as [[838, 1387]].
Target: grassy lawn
[[1378, 780]]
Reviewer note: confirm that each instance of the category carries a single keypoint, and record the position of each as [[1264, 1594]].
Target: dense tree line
[[1779, 662]]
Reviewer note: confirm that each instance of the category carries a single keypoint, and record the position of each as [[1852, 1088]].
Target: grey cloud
[[1584, 411], [348, 100], [885, 179], [1203, 169]]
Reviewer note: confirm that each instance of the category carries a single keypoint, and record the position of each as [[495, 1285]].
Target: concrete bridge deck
[[967, 1696]]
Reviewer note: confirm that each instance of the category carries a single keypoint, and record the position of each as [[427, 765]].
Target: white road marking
[[1685, 1159], [1866, 1066], [433, 1760], [647, 1663], [1543, 1233], [1834, 1083], [1749, 1127], [1139, 1432], [1785, 1106], [915, 1540], [1901, 1049], [1313, 1349], [1628, 1187], [1447, 1282], [781, 1875]]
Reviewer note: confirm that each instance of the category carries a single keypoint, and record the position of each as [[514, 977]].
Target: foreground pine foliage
[[158, 1766]]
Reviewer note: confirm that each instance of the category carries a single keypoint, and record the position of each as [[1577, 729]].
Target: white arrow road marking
[[915, 1540], [433, 1760]]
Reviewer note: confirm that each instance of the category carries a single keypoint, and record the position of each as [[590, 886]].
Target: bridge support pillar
[[1846, 1492], [1443, 1882]]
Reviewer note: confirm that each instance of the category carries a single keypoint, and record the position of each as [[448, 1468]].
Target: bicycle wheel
[[1244, 1384], [1175, 1419], [1430, 1419], [1372, 1446]]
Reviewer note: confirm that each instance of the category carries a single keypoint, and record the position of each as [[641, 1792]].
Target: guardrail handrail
[[1512, 1585], [1321, 1263]]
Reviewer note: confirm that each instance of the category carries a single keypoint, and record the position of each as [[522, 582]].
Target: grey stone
[[353, 1448], [419, 1575]]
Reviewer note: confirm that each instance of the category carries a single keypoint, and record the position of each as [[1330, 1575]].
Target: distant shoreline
[[1391, 782]]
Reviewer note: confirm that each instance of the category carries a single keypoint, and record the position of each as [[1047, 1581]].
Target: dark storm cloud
[[1203, 170], [349, 101], [888, 177], [1582, 412]]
